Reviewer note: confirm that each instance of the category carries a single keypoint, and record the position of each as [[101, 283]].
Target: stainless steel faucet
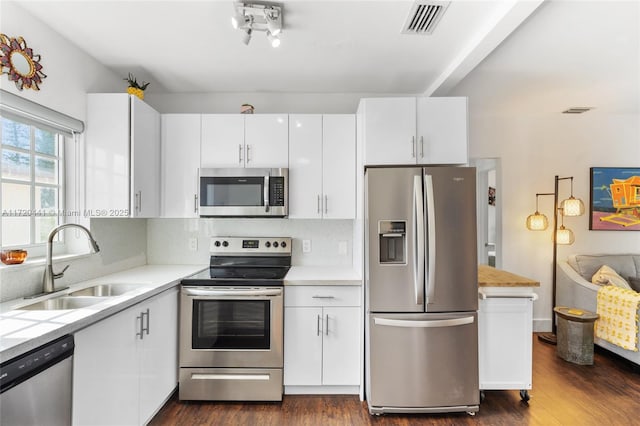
[[49, 275]]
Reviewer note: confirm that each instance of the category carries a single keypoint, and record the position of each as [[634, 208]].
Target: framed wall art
[[615, 199]]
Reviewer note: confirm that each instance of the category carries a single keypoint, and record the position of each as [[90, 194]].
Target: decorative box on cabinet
[[125, 366], [424, 130], [122, 157], [322, 344], [180, 163], [322, 166], [245, 140]]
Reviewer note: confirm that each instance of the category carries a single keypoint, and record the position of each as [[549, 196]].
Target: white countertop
[[323, 275], [23, 330]]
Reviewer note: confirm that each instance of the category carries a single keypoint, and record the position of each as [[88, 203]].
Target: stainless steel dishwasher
[[36, 386]]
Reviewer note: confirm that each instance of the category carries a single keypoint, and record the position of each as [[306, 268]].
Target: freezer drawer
[[422, 362]]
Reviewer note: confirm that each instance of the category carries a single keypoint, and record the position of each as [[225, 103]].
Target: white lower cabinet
[[505, 327], [125, 366], [322, 339]]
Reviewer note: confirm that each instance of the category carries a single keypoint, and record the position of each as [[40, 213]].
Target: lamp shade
[[573, 207], [537, 222], [564, 236]]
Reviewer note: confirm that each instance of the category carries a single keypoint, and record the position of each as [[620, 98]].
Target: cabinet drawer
[[322, 295]]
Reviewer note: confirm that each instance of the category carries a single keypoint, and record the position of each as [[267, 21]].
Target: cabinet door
[[341, 346], [158, 353], [180, 162], [266, 138], [339, 166], [105, 372], [505, 349], [107, 152], [145, 159], [442, 130], [305, 166], [222, 142], [302, 346], [389, 127]]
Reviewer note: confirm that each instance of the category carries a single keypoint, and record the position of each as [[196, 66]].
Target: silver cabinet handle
[[322, 297], [239, 153], [147, 315], [136, 203], [326, 204], [421, 147], [484, 296], [326, 328], [141, 332], [319, 210], [195, 203], [140, 199], [318, 326], [413, 147], [248, 152]]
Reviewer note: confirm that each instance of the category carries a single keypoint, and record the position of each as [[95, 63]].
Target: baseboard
[[541, 325], [321, 390]]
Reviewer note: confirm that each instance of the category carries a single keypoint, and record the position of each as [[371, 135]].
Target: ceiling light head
[[238, 20], [273, 39], [274, 21], [246, 36]]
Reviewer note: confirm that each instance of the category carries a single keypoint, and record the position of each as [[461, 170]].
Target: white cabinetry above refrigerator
[[122, 157], [423, 130], [322, 166], [245, 140]]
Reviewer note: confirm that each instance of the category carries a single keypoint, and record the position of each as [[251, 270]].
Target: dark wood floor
[[607, 393]]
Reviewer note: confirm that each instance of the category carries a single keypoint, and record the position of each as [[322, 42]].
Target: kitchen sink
[[106, 290], [64, 302]]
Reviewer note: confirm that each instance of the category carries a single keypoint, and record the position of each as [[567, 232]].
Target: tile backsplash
[[171, 240]]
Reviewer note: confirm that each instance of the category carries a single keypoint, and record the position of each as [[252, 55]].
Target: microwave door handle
[[266, 193]]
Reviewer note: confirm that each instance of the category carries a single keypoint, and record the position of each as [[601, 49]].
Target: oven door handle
[[250, 292]]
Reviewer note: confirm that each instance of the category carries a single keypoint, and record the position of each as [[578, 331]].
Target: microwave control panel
[[276, 191]]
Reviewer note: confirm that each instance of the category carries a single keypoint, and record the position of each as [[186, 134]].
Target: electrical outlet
[[193, 244], [306, 246], [342, 248]]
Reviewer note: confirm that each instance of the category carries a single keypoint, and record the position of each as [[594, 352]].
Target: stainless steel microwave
[[239, 192]]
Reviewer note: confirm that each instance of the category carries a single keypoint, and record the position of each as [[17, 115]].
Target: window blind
[[17, 108]]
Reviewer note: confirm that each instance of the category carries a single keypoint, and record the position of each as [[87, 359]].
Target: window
[[32, 182]]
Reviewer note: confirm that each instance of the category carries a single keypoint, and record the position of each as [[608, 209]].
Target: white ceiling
[[327, 46]]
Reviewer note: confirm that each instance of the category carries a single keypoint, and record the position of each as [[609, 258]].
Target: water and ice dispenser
[[392, 238]]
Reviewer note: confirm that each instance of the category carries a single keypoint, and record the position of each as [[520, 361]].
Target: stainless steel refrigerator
[[421, 290]]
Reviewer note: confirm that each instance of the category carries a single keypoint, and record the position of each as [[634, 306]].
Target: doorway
[[489, 210]]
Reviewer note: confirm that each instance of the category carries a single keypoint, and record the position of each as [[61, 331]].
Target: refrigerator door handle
[[423, 324], [418, 241], [431, 237]]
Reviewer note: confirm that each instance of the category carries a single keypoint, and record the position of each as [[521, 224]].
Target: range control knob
[[217, 244], [275, 244], [267, 244], [225, 244], [283, 244]]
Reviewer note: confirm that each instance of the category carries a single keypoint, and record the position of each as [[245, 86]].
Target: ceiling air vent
[[424, 16], [577, 110]]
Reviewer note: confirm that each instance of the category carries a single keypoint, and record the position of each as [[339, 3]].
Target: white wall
[[71, 74]]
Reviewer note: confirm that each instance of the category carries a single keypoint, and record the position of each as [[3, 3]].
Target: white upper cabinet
[[423, 130], [180, 162], [322, 151], [442, 130], [122, 156], [244, 140]]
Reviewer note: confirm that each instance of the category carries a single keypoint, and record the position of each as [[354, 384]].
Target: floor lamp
[[538, 222]]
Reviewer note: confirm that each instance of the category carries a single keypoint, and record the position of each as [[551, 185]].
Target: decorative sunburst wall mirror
[[19, 63]]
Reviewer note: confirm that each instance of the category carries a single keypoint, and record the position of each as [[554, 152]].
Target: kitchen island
[[505, 327]]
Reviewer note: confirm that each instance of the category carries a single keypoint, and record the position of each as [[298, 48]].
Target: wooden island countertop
[[489, 276]]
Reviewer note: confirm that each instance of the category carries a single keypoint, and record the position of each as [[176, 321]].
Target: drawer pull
[[322, 297]]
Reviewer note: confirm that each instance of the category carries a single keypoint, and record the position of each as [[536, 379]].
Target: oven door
[[231, 327]]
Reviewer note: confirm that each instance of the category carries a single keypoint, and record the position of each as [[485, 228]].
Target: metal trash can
[[575, 335]]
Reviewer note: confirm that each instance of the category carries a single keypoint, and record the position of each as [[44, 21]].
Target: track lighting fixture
[[262, 16]]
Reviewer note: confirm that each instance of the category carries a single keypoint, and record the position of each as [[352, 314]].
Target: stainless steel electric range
[[231, 322]]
